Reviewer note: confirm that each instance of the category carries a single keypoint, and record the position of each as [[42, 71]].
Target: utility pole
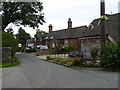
[[102, 13]]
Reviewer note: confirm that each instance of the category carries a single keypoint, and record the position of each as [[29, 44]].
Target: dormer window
[[90, 26], [51, 37], [99, 22], [46, 38]]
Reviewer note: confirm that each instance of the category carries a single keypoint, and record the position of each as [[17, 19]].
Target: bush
[[58, 59], [69, 49], [23, 49], [8, 40], [77, 61], [94, 54], [60, 50], [68, 61], [49, 58], [110, 57]]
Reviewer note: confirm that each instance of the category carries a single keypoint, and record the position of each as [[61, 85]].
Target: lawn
[[16, 62]]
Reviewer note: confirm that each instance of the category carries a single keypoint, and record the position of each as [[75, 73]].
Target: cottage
[[91, 38], [83, 38], [66, 37], [31, 43]]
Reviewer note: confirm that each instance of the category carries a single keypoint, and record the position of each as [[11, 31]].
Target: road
[[36, 73]]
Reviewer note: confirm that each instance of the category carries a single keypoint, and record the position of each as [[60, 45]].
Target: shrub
[[49, 58], [8, 40], [23, 49], [110, 57], [60, 50], [58, 59], [61, 60], [69, 49], [69, 63], [94, 54], [77, 61]]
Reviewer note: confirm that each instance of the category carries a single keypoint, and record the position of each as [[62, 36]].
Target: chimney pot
[[50, 28], [69, 23]]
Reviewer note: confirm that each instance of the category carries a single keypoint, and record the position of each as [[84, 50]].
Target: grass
[[16, 62], [109, 70]]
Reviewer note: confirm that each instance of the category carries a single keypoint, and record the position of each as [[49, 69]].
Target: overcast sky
[[81, 12]]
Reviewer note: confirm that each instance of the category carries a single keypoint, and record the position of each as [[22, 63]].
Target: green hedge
[[8, 40], [60, 50], [110, 57]]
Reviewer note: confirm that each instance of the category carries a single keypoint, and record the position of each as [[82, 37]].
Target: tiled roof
[[31, 40], [65, 33], [112, 28]]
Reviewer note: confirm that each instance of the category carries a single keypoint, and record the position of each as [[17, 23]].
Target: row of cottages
[[66, 37], [83, 37]]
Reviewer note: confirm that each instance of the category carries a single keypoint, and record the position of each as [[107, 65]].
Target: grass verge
[[110, 70], [16, 62]]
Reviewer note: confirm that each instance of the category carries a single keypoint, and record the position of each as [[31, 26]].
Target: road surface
[[36, 73]]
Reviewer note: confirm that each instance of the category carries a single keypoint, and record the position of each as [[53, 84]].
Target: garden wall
[[6, 54]]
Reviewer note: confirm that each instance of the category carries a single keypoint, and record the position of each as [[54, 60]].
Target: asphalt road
[[36, 73]]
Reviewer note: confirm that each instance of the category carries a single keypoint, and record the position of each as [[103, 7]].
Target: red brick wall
[[42, 52], [71, 42], [74, 42]]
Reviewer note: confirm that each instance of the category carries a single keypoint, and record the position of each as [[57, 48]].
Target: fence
[[86, 54], [42, 52], [60, 55]]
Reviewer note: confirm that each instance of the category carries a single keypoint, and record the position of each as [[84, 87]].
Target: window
[[66, 43], [51, 37], [90, 26], [99, 22], [60, 41], [53, 45], [41, 39], [46, 38]]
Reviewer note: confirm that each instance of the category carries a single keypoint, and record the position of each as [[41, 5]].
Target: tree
[[39, 33], [24, 13], [22, 36]]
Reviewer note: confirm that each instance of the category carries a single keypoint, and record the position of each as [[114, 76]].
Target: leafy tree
[[24, 13], [39, 33], [8, 40], [22, 36]]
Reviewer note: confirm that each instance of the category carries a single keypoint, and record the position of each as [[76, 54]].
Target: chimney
[[69, 23], [102, 7], [102, 13], [50, 28]]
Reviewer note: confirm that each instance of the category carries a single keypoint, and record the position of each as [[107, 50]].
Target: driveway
[[36, 73]]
